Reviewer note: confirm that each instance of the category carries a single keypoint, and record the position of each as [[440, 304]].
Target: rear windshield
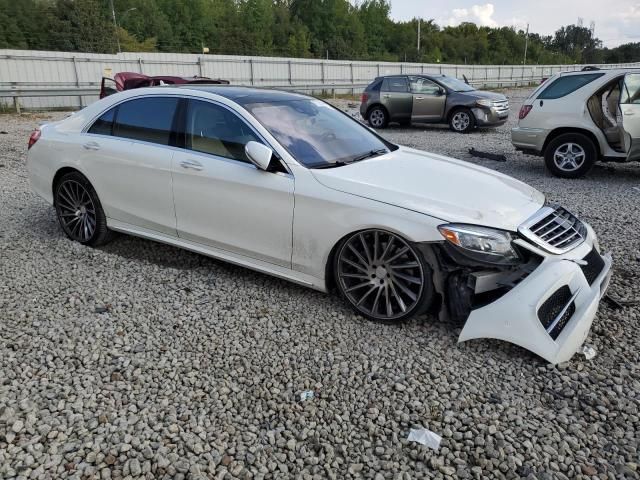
[[563, 86]]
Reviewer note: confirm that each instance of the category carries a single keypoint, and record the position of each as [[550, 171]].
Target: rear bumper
[[530, 140], [514, 316]]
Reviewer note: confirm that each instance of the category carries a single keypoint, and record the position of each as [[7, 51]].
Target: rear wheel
[[382, 276], [571, 155], [378, 117], [79, 210], [462, 121]]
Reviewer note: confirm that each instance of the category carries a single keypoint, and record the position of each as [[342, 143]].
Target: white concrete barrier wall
[[43, 69]]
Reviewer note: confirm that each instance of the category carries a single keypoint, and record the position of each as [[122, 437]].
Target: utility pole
[[419, 20], [526, 44], [115, 25]]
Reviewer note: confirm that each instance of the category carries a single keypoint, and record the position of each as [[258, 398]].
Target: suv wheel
[[462, 121], [378, 117], [570, 155]]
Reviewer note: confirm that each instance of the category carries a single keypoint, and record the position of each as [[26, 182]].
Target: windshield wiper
[[329, 165], [369, 154]]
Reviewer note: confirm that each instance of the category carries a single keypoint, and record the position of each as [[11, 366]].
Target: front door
[[221, 198], [396, 97], [630, 114], [428, 100]]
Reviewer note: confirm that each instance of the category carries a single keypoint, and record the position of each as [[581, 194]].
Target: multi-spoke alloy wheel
[[569, 157], [381, 275], [462, 121], [79, 211], [378, 118]]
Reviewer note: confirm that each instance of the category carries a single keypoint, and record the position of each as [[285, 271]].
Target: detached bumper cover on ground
[[537, 315]]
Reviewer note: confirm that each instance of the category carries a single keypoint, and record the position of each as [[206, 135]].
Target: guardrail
[[16, 93]]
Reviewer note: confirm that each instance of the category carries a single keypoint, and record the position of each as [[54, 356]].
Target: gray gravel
[[139, 360]]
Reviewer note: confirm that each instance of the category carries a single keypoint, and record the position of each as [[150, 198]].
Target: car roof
[[246, 95], [607, 71]]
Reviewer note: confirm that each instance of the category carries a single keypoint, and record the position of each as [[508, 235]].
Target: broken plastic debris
[[588, 352], [425, 437], [307, 395]]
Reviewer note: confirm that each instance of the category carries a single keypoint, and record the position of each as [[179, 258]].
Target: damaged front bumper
[[548, 309]]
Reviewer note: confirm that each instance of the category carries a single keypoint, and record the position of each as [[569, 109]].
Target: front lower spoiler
[[513, 317]]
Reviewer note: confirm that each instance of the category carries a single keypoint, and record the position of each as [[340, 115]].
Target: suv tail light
[[524, 111], [365, 97], [35, 136]]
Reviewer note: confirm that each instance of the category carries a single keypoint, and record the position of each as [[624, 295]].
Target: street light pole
[[115, 25], [419, 36], [526, 44]]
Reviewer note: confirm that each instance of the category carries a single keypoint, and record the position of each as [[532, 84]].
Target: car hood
[[445, 188], [476, 94]]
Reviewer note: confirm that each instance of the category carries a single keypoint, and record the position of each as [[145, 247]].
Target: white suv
[[577, 118]]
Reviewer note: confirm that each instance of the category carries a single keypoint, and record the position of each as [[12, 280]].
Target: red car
[[128, 80]]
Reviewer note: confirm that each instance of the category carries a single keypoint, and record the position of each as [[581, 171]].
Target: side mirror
[[259, 154], [441, 91]]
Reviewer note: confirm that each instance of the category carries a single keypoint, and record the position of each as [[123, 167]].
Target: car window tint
[[215, 130], [631, 89], [423, 85], [104, 124], [395, 84], [147, 119], [563, 86]]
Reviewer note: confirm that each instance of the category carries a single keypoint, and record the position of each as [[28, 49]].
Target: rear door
[[397, 98], [428, 100], [630, 114]]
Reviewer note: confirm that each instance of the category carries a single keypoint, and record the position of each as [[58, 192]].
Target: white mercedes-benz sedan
[[290, 186]]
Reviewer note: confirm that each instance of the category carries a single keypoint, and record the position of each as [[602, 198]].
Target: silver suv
[[431, 99], [577, 118]]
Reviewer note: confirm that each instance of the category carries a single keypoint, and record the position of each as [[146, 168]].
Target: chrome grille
[[501, 106], [555, 229]]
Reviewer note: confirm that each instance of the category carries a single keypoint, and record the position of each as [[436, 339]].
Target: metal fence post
[[200, 66], [251, 79], [352, 89], [289, 65], [140, 64], [378, 65], [16, 104], [75, 71], [322, 72]]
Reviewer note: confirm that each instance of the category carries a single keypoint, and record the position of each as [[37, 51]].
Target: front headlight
[[484, 102], [487, 244]]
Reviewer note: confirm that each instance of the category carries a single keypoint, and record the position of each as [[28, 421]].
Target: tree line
[[335, 29]]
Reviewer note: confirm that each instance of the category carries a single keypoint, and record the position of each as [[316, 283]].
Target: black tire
[[382, 276], [79, 210], [378, 117], [462, 120], [570, 155]]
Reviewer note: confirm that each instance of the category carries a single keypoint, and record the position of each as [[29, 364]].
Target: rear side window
[[147, 119], [395, 84], [375, 86], [631, 89], [563, 86], [104, 124]]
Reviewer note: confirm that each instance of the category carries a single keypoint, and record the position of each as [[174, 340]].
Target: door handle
[[91, 146], [419, 98], [192, 164], [386, 96], [629, 113]]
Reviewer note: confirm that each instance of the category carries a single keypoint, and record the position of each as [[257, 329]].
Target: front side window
[[455, 84], [316, 134], [148, 119], [395, 84], [563, 86], [423, 85], [217, 131], [104, 124], [631, 89]]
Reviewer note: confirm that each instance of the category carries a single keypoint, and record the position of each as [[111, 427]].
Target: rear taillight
[[35, 136], [365, 97], [524, 111]]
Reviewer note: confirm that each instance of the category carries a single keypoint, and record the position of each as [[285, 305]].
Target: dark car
[[431, 99], [128, 80]]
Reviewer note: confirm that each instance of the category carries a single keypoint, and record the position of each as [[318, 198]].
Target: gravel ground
[[141, 360]]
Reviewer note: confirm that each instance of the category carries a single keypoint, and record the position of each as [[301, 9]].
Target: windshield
[[455, 84], [316, 134]]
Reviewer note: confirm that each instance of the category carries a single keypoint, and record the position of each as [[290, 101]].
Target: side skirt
[[224, 255]]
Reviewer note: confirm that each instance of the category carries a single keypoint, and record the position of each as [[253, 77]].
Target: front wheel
[[79, 210], [462, 121], [382, 276], [571, 155]]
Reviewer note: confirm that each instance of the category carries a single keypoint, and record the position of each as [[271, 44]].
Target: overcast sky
[[617, 21]]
